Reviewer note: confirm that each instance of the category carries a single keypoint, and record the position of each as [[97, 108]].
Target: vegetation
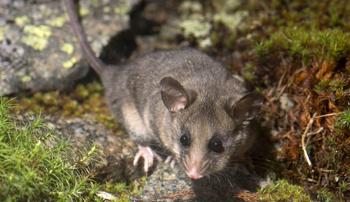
[[83, 100], [36, 164], [307, 45], [303, 52], [283, 191], [297, 51]]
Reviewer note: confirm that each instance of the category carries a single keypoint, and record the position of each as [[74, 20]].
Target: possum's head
[[206, 132]]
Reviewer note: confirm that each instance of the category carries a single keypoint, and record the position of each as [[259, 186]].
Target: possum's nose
[[193, 173]]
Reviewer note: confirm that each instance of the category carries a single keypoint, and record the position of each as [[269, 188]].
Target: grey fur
[[134, 94]]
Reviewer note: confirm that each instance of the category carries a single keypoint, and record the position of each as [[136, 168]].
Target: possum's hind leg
[[140, 133]]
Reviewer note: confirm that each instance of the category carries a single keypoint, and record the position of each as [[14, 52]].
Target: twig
[[330, 114], [315, 132], [303, 145]]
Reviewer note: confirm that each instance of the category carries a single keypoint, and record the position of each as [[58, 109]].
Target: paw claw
[[171, 161], [172, 164], [148, 156], [136, 158]]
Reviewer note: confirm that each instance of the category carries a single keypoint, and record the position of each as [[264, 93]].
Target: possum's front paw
[[148, 156]]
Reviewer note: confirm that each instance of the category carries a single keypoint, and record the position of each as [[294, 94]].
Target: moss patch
[[284, 191], [124, 190], [304, 53], [84, 100], [307, 45], [297, 51], [37, 165]]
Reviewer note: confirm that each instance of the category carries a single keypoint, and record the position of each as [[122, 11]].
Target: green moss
[[309, 45], [325, 195], [36, 165], [263, 48], [36, 36], [335, 86], [309, 14], [344, 186], [283, 191], [343, 121], [124, 190], [248, 72], [83, 100], [303, 49]]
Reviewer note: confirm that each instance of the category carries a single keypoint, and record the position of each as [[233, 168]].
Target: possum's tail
[[78, 29]]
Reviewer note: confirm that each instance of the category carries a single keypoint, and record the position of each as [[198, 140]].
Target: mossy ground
[[298, 50], [82, 100], [37, 165], [302, 51], [283, 191]]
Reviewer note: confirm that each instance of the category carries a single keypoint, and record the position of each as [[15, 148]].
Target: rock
[[37, 48], [198, 22], [172, 184], [286, 102], [168, 184]]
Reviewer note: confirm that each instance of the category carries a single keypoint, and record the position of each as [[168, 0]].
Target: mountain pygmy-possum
[[181, 100]]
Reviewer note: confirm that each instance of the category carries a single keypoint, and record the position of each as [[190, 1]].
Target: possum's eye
[[185, 140], [215, 145]]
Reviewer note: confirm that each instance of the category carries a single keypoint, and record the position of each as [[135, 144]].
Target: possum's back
[[139, 79]]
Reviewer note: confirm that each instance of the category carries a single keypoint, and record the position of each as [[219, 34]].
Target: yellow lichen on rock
[[197, 27], [67, 48], [26, 78], [21, 20], [70, 63], [123, 8], [230, 20], [36, 36], [2, 33], [58, 21], [83, 11]]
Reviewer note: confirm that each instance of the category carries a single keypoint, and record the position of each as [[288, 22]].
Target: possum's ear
[[175, 97], [246, 108]]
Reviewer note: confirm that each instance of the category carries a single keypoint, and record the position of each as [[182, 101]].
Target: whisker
[[204, 166]]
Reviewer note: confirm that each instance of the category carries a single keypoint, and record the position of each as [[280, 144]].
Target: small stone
[[286, 103], [106, 196]]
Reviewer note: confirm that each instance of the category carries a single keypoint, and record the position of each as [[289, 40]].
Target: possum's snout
[[195, 167], [193, 173]]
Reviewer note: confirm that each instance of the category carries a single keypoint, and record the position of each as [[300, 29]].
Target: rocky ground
[[295, 53]]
